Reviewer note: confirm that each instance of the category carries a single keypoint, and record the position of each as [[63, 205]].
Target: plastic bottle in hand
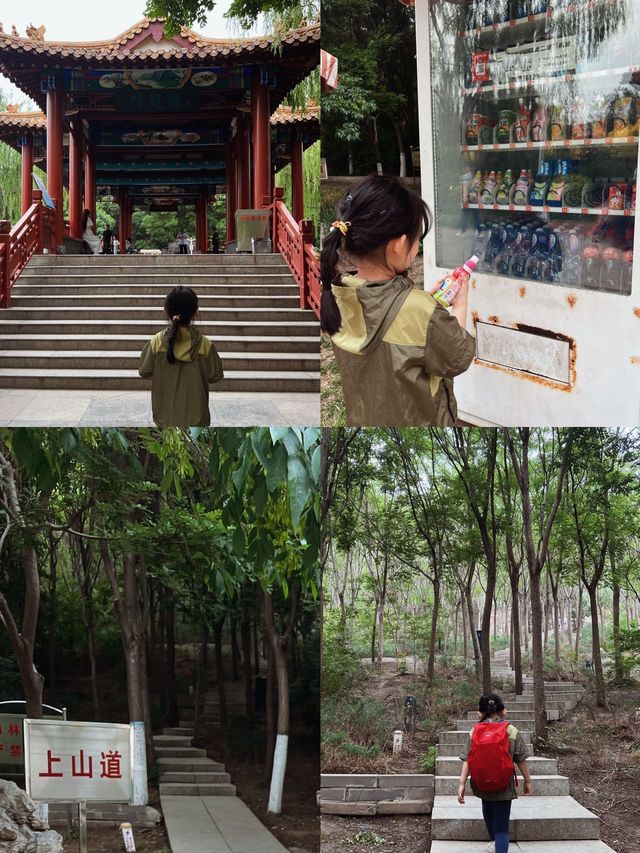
[[451, 285]]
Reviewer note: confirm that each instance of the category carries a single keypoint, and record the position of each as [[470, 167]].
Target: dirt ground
[[108, 839], [599, 750], [408, 834], [298, 826]]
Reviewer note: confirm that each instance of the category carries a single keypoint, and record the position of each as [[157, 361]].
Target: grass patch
[[331, 400]]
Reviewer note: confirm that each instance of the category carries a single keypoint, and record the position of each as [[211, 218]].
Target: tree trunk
[[595, 647], [279, 647], [172, 687], [53, 610], [431, 663], [397, 126], [477, 656], [220, 677], [578, 624], [517, 649], [235, 649], [245, 636], [201, 679], [270, 715], [374, 628], [538, 656]]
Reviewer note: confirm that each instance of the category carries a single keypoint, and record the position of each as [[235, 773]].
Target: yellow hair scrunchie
[[341, 226]]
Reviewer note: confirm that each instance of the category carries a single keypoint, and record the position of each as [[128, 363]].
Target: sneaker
[[491, 847]]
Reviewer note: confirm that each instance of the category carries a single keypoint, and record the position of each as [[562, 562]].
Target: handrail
[[31, 234], [294, 241]]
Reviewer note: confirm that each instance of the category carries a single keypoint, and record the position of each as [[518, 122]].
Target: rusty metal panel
[[530, 352]]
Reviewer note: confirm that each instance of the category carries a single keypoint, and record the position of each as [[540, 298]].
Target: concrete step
[[187, 789], [189, 765], [178, 730], [523, 847], [112, 813], [450, 765], [166, 281], [128, 380], [456, 738], [142, 313], [135, 343], [130, 359], [180, 752], [532, 819], [518, 722], [542, 786], [305, 325], [240, 259], [196, 778], [152, 303], [172, 740], [101, 294]]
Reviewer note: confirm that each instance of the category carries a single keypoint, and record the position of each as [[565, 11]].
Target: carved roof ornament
[[36, 33], [1, 27], [13, 108], [14, 31]]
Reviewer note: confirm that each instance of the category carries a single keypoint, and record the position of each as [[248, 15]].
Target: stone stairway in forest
[[80, 322], [548, 821]]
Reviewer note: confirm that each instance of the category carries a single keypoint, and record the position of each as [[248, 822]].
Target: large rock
[[21, 829]]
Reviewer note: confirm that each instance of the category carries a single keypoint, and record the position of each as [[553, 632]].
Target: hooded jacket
[[398, 351], [180, 391]]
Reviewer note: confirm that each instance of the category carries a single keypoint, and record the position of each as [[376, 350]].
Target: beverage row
[[556, 184], [596, 257], [616, 116], [485, 13]]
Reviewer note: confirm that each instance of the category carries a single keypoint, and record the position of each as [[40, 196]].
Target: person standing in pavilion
[[92, 241]]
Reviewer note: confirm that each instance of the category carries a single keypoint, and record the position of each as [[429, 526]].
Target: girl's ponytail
[[172, 337], [330, 319]]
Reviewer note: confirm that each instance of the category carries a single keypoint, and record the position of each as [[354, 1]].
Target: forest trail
[[548, 821], [201, 810]]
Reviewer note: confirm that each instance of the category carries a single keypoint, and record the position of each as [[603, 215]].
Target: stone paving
[[33, 407]]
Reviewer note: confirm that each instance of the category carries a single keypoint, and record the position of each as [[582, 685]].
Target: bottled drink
[[504, 188], [522, 249], [521, 127], [627, 268], [489, 189], [480, 241], [450, 287], [502, 263], [572, 247], [591, 267], [494, 245], [611, 271]]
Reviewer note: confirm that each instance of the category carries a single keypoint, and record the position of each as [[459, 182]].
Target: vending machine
[[529, 118]]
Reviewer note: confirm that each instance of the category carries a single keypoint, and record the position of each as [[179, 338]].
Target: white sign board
[[11, 742], [78, 762]]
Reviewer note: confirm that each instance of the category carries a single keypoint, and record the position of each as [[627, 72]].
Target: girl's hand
[[438, 283], [462, 294], [527, 787], [461, 794]]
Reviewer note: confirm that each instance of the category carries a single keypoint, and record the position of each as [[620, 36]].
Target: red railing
[[30, 235], [295, 243]]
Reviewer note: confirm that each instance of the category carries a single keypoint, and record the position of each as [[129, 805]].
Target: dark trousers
[[184, 250], [496, 815]]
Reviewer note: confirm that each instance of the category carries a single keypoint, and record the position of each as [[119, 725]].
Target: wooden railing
[[30, 235], [295, 243]]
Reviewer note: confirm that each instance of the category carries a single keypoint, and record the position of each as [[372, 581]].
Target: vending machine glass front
[[541, 104]]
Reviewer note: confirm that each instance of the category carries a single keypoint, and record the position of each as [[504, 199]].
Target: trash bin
[[250, 223], [261, 245]]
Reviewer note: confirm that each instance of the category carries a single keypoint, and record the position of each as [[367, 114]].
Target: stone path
[[549, 821], [75, 407], [201, 811]]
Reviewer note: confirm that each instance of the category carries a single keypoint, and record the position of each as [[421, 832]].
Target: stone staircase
[[185, 770], [548, 821], [80, 321]]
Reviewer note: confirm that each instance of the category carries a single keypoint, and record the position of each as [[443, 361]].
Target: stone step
[[166, 281], [113, 813], [152, 304], [172, 740], [189, 765], [450, 765], [532, 819], [180, 752], [523, 847], [97, 313], [462, 737], [128, 380], [542, 786], [305, 325], [472, 716], [135, 343], [130, 359], [234, 259], [187, 731], [518, 722], [187, 789], [196, 778], [99, 294]]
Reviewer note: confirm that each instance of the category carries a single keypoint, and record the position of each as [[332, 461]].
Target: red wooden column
[[90, 181], [243, 164], [26, 149], [232, 192], [261, 137], [204, 213], [55, 129], [297, 178], [123, 204], [76, 145]]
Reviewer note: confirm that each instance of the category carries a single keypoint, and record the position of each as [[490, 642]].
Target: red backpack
[[490, 764]]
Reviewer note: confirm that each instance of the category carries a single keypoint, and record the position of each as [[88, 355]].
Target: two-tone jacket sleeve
[[214, 366], [449, 349], [147, 361]]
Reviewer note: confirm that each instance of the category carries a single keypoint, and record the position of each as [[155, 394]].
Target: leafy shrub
[[360, 751], [428, 760]]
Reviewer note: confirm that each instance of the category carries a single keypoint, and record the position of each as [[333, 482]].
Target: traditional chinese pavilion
[[152, 118]]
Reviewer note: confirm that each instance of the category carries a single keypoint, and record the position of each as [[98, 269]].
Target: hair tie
[[341, 226], [176, 317]]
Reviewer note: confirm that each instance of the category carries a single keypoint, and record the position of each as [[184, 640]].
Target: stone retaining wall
[[376, 794]]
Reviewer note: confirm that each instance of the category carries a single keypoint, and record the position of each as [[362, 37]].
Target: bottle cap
[[471, 264]]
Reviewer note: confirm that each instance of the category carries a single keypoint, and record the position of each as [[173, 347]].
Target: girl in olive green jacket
[[181, 363]]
